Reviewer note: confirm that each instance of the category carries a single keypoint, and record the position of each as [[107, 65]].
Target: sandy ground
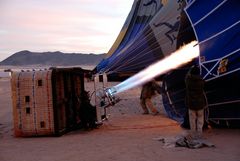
[[126, 136]]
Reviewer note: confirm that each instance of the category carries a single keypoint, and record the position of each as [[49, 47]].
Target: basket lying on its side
[[46, 102]]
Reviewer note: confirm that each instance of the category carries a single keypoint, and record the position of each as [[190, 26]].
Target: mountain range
[[52, 58]]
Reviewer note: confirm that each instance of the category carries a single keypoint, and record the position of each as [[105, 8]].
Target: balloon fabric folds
[[156, 28]]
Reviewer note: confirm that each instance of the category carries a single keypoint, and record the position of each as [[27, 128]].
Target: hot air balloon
[[156, 28]]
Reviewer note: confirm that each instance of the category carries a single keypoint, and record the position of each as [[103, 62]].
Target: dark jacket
[[195, 96], [149, 89]]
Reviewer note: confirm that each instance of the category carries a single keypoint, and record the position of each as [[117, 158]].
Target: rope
[[226, 102], [206, 109]]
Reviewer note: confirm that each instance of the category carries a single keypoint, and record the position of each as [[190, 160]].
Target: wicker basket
[[46, 102]]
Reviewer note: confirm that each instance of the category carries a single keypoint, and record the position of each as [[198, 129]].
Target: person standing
[[149, 89], [195, 101]]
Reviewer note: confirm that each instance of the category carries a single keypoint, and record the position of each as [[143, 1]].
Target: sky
[[71, 26]]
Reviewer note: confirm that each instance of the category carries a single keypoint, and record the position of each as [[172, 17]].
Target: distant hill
[[52, 58]]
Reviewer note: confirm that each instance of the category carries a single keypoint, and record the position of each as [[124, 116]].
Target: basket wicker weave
[[44, 102]]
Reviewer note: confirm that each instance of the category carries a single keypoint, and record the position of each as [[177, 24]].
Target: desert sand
[[126, 136]]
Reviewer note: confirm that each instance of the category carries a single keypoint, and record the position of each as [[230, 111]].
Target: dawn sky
[[83, 26]]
